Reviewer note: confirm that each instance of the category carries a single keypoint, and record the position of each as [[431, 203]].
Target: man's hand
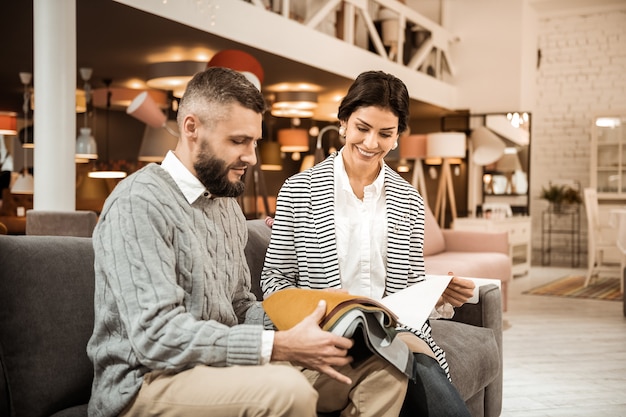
[[307, 345], [459, 290]]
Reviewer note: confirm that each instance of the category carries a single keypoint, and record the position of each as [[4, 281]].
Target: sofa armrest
[[473, 241], [487, 312]]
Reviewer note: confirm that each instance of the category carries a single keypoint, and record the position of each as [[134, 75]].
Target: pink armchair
[[467, 254]]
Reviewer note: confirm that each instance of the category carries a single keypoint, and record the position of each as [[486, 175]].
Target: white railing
[[431, 56]]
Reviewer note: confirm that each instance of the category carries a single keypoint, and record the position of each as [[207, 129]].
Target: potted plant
[[561, 197]]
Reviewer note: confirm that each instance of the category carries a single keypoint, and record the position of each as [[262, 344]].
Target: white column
[[55, 104]]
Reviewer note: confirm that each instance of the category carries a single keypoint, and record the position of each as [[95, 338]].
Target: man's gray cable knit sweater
[[172, 287]]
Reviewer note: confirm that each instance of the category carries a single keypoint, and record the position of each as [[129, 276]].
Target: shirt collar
[[189, 184], [341, 177]]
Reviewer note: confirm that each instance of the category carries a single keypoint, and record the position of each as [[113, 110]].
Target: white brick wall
[[582, 72]]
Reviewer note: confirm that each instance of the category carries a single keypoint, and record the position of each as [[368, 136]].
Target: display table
[[563, 223], [519, 230]]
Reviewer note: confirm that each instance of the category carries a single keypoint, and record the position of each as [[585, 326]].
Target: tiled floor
[[562, 357]]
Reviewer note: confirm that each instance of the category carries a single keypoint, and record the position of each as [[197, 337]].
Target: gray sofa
[[46, 318]]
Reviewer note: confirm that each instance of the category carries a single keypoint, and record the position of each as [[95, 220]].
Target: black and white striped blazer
[[303, 252]]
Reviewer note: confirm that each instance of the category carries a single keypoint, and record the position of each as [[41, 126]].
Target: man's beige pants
[[377, 390]]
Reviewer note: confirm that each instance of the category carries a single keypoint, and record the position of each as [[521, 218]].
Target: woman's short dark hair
[[379, 89]]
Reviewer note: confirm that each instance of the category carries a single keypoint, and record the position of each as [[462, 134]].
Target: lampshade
[[445, 145], [294, 104], [413, 147], [24, 184], [157, 142], [86, 146], [8, 123], [121, 97], [270, 156], [326, 111], [239, 61], [293, 140], [487, 147], [144, 108], [173, 76]]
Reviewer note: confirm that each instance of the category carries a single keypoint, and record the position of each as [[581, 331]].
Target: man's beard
[[213, 174]]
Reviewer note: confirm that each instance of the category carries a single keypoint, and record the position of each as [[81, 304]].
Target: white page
[[414, 304]]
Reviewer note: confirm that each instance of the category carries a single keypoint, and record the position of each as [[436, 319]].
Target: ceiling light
[[25, 182], [608, 122], [107, 173], [294, 104], [173, 76]]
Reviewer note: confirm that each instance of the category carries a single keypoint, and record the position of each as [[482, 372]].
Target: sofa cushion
[[433, 236], [259, 235], [471, 369], [46, 319]]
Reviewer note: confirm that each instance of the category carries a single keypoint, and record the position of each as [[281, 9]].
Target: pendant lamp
[[107, 173], [25, 183], [86, 146]]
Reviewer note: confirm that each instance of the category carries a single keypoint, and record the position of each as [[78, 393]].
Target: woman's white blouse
[[361, 234]]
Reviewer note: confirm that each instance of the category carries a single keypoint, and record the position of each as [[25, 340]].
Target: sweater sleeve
[[168, 325]]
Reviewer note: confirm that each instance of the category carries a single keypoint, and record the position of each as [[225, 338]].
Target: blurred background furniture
[[566, 223], [518, 229], [11, 204], [61, 223], [618, 220], [560, 221], [597, 244]]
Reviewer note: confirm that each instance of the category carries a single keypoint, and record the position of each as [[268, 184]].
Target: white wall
[[496, 54], [582, 72]]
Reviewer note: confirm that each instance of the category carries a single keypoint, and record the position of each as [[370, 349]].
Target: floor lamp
[[413, 147], [445, 145]]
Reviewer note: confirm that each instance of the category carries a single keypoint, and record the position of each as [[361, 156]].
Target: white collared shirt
[[189, 184], [361, 234], [192, 189]]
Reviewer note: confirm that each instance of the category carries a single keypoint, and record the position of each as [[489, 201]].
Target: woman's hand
[[459, 290]]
